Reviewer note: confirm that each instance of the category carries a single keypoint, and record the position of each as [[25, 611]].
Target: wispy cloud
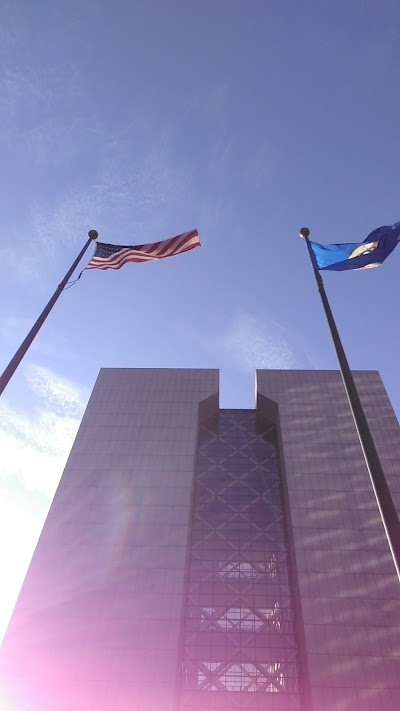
[[121, 202], [21, 265], [21, 519], [58, 393], [13, 330], [35, 446], [127, 179], [253, 342], [36, 109], [133, 179]]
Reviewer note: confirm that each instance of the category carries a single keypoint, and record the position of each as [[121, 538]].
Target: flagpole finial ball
[[93, 234], [304, 232]]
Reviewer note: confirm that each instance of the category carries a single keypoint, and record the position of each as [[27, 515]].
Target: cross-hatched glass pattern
[[239, 647]]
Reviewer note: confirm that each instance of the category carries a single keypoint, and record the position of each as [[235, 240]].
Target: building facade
[[196, 558]]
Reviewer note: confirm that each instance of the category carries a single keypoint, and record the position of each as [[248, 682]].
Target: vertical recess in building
[[239, 646]]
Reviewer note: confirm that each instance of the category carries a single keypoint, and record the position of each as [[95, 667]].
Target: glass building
[[239, 630], [196, 558]]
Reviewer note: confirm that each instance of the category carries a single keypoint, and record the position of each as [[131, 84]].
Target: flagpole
[[15, 361], [380, 486]]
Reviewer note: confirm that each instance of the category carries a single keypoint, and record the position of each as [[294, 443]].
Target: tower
[[198, 558]]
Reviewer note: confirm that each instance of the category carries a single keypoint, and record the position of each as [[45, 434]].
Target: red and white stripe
[[147, 252]]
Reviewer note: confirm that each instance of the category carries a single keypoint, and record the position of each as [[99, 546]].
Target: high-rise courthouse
[[196, 558]]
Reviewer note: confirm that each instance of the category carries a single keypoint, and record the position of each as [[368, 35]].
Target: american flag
[[114, 256]]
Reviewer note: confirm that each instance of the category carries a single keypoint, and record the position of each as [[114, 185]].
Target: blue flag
[[370, 253]]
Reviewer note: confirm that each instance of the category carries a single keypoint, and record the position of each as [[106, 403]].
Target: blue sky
[[246, 120]]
